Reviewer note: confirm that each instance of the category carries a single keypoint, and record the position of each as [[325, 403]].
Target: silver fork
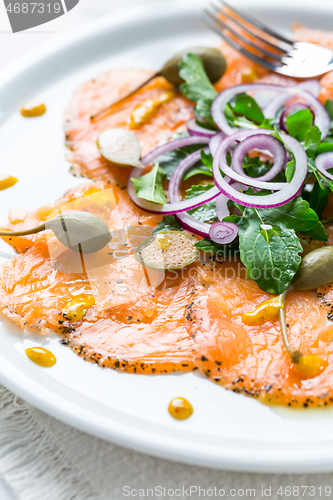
[[275, 52]]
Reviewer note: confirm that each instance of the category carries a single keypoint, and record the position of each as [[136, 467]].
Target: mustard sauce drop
[[7, 181], [267, 311], [32, 108], [77, 308], [41, 356], [309, 366], [143, 113], [249, 75], [180, 409]]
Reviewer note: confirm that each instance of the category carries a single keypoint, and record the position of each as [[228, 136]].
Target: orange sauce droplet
[[7, 181], [267, 311], [309, 366], [41, 356], [180, 408], [33, 108]]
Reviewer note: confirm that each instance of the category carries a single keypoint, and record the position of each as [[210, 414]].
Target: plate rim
[[271, 460]]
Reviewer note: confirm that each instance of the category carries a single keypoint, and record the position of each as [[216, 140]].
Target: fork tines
[[247, 35]]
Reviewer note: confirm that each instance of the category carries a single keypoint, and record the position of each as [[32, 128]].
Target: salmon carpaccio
[[140, 320]]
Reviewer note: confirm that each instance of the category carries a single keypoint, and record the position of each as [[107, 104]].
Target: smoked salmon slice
[[121, 319], [252, 360], [82, 133], [111, 203], [143, 336]]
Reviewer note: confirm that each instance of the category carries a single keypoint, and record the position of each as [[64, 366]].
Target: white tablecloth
[[41, 458]]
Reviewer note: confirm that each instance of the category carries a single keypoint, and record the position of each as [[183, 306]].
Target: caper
[[315, 270], [214, 63], [167, 250], [82, 232]]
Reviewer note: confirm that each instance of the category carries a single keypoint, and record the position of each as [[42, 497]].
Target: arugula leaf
[[169, 223], [268, 243], [197, 86], [270, 253], [318, 199], [210, 246], [329, 107], [317, 233], [312, 141], [150, 186], [296, 214], [299, 123], [205, 167], [206, 212], [290, 169], [324, 147], [169, 161], [245, 105], [321, 179]]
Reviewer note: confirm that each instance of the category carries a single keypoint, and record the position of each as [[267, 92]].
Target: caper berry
[[315, 270], [213, 61], [82, 232]]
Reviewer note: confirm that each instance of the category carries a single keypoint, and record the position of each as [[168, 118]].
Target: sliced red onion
[[221, 205], [289, 110], [181, 206], [216, 141], [220, 159], [324, 162], [312, 86], [286, 191], [322, 118], [260, 141], [170, 146], [223, 232], [187, 221], [195, 129]]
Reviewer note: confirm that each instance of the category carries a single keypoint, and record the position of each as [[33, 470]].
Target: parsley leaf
[[312, 141], [197, 86], [206, 212], [169, 223], [245, 105], [150, 186], [318, 199], [299, 123]]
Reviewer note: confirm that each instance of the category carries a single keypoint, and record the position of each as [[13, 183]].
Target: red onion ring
[[215, 142], [240, 177], [188, 221], [259, 141], [170, 146], [322, 118], [286, 191], [195, 129], [181, 206], [223, 232], [221, 205], [292, 108], [312, 86], [324, 162]]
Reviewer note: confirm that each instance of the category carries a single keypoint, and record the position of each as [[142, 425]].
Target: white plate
[[226, 430]]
